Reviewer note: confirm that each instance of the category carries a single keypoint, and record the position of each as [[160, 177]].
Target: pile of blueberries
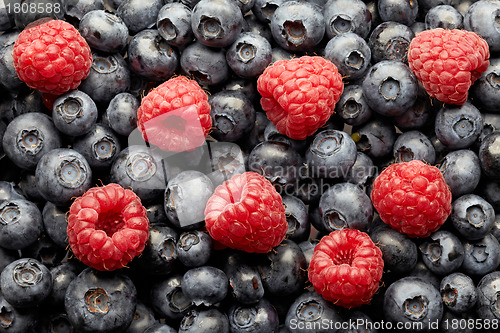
[[183, 282]]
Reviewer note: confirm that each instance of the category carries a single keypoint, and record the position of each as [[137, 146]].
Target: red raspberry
[[175, 116], [299, 95], [246, 213], [107, 227], [52, 57], [346, 268], [447, 62], [412, 197]]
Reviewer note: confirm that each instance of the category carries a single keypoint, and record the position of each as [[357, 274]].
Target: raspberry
[[246, 213], [175, 116], [299, 95], [412, 197], [447, 62], [107, 227], [346, 268], [52, 57]]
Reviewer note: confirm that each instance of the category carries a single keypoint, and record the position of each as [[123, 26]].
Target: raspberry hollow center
[[343, 257], [110, 222]]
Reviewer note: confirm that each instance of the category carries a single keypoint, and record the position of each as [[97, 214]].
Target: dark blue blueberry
[[390, 87], [421, 271], [261, 317], [352, 106], [443, 16], [149, 55], [27, 185], [194, 248], [343, 16], [425, 5], [400, 11], [283, 270], [168, 300], [208, 66], [9, 191], [346, 205], [28, 137], [307, 248], [488, 289], [109, 75], [458, 126], [358, 322], [25, 282], [74, 113], [140, 168], [245, 284], [25, 16], [54, 321], [490, 191], [491, 123], [143, 319], [227, 160], [28, 100], [482, 18], [100, 301], [20, 224], [233, 115], [264, 9], [442, 252], [6, 257], [417, 27], [210, 320], [159, 255], [104, 31], [297, 25], [245, 5], [278, 54], [399, 252], [271, 133], [413, 300], [451, 317], [307, 313], [55, 224], [249, 55], [216, 23], [482, 256], [489, 156], [390, 41], [6, 18], [350, 53], [76, 9], [159, 328], [63, 174], [375, 138], [174, 24], [254, 25], [62, 275], [8, 75], [414, 145], [363, 170], [331, 154], [461, 171], [486, 90], [99, 146], [45, 251], [16, 320], [472, 216], [458, 292], [205, 285], [139, 14], [495, 231], [156, 214], [185, 199], [246, 86], [256, 136], [121, 113], [297, 218]]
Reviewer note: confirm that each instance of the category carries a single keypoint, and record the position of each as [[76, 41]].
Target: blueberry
[[417, 27], [9, 191], [414, 145], [375, 138], [488, 289], [359, 322], [254, 25], [390, 87], [249, 55], [400, 11], [271, 133], [233, 115], [139, 14], [104, 31], [278, 54], [28, 137], [489, 156], [495, 231], [194, 248], [174, 24], [399, 252], [62, 275], [28, 100], [307, 248], [332, 154], [491, 123], [352, 106], [485, 90], [53, 322], [121, 113], [205, 285], [100, 302], [143, 319], [245, 283], [297, 25], [343, 16], [350, 53], [99, 147], [362, 172], [417, 116], [450, 317], [482, 18], [20, 224], [210, 320], [159, 328], [74, 113], [76, 9], [442, 252], [23, 18], [45, 251], [461, 171], [491, 192], [160, 254], [421, 271], [63, 174], [297, 218], [472, 216], [264, 9], [481, 256], [16, 320], [413, 300], [8, 74], [443, 16], [283, 271], [308, 311], [25, 282], [390, 41], [458, 292], [261, 317], [27, 185], [425, 5], [216, 23], [208, 66], [109, 75], [6, 257], [55, 224], [168, 300]]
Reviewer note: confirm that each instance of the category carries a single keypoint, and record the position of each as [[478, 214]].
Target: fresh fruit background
[[249, 166]]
